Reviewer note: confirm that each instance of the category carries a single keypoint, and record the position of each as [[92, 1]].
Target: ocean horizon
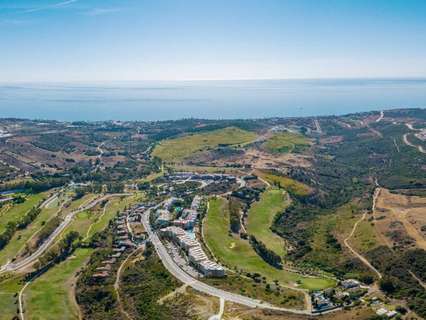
[[229, 99]]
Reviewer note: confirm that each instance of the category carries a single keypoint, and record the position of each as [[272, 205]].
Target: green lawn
[[293, 186], [114, 205], [17, 243], [176, 150], [17, 211], [286, 142], [237, 253], [9, 297], [261, 216], [49, 296]]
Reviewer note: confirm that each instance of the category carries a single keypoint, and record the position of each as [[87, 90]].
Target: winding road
[[40, 250], [408, 143], [181, 275]]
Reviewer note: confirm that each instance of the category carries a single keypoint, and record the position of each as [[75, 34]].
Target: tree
[[387, 285]]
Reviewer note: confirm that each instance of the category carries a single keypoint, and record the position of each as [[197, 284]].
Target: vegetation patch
[[9, 289], [20, 238], [257, 287], [50, 295], [144, 283], [294, 187], [17, 211], [176, 150], [286, 142], [261, 216], [326, 248], [237, 253]]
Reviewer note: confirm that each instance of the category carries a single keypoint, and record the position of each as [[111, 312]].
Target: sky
[[136, 40]]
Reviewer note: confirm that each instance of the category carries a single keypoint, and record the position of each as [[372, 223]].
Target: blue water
[[207, 99]]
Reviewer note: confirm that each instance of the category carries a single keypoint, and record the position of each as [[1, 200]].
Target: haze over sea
[[207, 99]]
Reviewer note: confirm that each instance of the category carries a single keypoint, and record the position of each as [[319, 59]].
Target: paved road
[[40, 250], [178, 273], [48, 201]]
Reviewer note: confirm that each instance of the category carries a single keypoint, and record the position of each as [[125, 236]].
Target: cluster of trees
[[54, 142], [268, 255], [56, 254], [28, 218], [39, 183], [234, 215], [11, 227], [144, 283], [332, 242], [47, 229], [96, 296], [247, 195], [398, 281]]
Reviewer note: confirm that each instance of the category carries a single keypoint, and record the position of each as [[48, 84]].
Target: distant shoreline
[[70, 122], [173, 100]]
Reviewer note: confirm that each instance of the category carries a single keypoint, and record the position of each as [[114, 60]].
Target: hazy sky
[[101, 40]]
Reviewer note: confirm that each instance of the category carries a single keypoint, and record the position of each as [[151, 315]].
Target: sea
[[161, 100]]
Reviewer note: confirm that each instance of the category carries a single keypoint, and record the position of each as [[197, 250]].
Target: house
[[170, 202], [321, 303], [196, 255], [172, 232], [185, 242], [350, 283], [211, 269], [195, 205], [381, 311], [102, 274], [391, 314], [164, 218]]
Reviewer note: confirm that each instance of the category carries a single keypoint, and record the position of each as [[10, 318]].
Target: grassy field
[[291, 185], [286, 142], [49, 296], [17, 211], [365, 237], [114, 205], [339, 223], [17, 243], [176, 150], [51, 293], [261, 216], [8, 297], [237, 253]]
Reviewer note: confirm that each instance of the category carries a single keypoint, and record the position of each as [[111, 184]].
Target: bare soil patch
[[401, 220]]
